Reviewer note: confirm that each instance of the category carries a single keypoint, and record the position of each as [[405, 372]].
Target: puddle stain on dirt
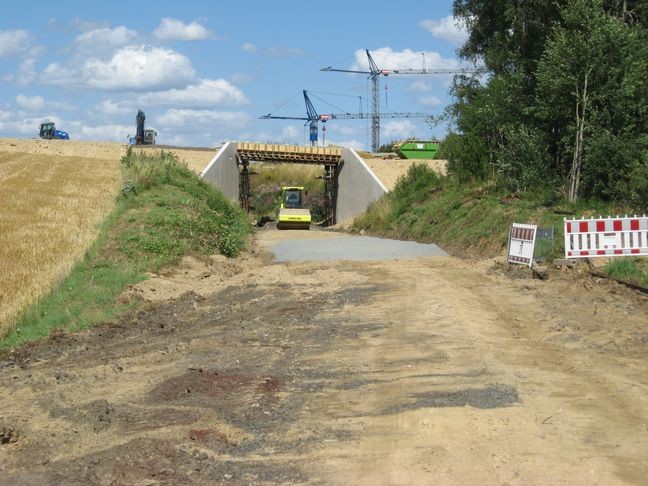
[[101, 415], [492, 396], [215, 383]]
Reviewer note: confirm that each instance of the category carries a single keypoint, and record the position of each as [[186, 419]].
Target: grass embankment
[[266, 183], [163, 213], [470, 219]]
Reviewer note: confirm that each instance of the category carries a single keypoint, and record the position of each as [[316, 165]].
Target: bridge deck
[[264, 152]]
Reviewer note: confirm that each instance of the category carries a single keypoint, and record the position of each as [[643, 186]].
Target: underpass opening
[[349, 184], [328, 158]]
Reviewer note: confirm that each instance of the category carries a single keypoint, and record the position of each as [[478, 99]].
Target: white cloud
[[106, 38], [174, 29], [55, 73], [447, 29], [32, 103], [111, 108], [117, 133], [398, 129], [76, 24], [353, 144], [195, 119], [139, 68], [430, 101], [206, 93], [26, 73], [18, 125], [136, 68], [272, 51], [419, 86], [290, 133], [344, 129], [387, 58], [14, 42]]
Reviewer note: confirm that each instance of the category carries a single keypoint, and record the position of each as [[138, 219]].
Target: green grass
[[163, 213], [633, 270], [467, 219]]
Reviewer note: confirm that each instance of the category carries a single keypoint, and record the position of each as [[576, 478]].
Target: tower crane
[[374, 75], [313, 118]]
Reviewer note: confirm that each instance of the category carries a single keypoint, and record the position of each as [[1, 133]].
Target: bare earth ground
[[428, 371]]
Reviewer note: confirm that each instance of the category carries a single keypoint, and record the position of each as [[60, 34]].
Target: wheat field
[[51, 204]]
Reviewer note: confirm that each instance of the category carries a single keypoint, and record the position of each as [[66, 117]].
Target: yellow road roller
[[293, 214]]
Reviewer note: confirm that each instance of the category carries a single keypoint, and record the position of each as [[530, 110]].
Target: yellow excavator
[[293, 214]]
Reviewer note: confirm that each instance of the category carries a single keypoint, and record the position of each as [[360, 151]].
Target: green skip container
[[417, 149]]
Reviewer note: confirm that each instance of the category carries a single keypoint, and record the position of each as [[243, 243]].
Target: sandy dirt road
[[425, 371]]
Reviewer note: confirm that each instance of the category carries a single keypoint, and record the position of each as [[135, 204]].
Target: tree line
[[559, 100]]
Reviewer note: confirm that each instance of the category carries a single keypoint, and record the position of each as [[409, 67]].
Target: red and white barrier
[[521, 243], [587, 238]]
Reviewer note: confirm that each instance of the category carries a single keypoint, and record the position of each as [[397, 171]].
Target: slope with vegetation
[[164, 212], [554, 123]]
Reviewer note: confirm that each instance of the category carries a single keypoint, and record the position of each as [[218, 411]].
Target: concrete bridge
[[350, 185]]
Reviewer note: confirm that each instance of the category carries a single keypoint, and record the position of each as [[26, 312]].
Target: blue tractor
[[48, 131]]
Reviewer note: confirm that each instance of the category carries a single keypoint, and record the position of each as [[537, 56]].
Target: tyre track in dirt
[[399, 372]]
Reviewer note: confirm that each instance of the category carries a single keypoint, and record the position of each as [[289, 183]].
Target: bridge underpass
[[350, 185]]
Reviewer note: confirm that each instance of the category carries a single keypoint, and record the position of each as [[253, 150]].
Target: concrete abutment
[[356, 185]]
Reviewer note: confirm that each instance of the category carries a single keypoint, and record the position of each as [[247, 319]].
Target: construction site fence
[[605, 237]]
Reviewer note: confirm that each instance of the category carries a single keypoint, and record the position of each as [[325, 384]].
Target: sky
[[204, 72]]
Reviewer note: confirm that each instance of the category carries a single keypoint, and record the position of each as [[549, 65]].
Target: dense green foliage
[[467, 218], [163, 213], [561, 101], [387, 147]]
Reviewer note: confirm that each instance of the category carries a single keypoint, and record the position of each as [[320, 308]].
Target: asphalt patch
[[352, 248]]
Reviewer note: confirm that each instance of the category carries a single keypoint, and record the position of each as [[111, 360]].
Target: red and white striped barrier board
[[521, 243], [587, 238]]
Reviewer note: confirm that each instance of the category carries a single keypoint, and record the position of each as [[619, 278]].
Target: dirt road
[[425, 371]]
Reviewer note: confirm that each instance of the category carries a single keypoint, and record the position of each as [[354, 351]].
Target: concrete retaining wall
[[223, 172], [358, 186]]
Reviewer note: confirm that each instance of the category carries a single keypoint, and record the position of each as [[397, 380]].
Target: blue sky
[[204, 72]]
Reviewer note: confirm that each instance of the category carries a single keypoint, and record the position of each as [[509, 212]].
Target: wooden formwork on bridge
[[266, 152]]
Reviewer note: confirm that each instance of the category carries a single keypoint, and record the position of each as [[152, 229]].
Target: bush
[[522, 160], [468, 157]]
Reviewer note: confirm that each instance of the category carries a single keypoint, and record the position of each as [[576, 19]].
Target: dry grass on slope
[[50, 207]]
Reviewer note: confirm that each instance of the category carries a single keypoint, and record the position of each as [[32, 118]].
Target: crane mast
[[374, 75]]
